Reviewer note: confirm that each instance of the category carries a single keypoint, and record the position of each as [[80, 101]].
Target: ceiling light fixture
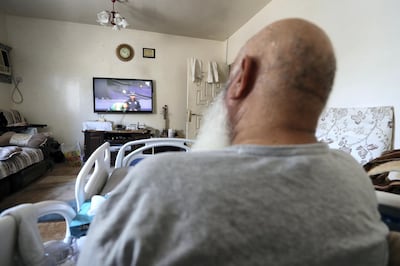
[[113, 18]]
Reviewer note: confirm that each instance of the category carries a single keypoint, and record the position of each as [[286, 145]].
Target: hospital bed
[[93, 175], [134, 151], [21, 240], [97, 178]]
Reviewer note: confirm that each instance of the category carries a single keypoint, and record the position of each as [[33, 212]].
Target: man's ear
[[242, 82]]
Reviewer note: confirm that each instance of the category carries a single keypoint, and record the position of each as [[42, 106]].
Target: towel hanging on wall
[[196, 68], [212, 74], [215, 71], [210, 78]]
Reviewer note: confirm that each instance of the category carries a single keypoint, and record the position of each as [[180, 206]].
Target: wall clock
[[125, 52]]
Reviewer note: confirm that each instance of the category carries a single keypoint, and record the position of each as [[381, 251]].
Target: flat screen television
[[121, 95]]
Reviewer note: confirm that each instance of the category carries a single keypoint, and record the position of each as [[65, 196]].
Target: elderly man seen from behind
[[258, 189]]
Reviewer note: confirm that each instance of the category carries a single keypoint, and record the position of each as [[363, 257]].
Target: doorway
[[200, 94]]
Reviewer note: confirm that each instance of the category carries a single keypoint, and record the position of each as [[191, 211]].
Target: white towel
[[196, 68], [212, 73], [30, 244], [215, 71], [210, 78]]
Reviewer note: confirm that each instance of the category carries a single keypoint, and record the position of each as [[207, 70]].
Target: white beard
[[214, 132]]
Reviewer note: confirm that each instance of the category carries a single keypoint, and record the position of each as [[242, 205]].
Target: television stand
[[95, 138]]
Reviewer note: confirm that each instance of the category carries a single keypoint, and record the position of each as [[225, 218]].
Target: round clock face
[[125, 52]]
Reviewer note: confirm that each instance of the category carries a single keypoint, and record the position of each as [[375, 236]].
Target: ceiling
[[206, 19]]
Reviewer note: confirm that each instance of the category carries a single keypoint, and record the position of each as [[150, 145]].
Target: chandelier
[[112, 18]]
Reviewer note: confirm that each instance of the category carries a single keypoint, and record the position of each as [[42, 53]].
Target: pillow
[[5, 138], [8, 152], [116, 177], [26, 140]]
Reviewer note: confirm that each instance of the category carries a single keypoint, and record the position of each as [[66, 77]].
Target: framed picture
[[149, 53]]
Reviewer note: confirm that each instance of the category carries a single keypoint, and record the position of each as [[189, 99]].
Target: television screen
[[115, 95]]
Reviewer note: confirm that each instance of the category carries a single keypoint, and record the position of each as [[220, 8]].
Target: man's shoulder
[[185, 156], [180, 161]]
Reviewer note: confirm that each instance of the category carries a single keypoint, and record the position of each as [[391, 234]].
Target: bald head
[[295, 54], [281, 80]]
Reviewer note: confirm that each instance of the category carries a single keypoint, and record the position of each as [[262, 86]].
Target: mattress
[[27, 157]]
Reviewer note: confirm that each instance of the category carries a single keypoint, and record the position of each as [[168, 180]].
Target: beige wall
[[5, 88], [57, 61], [366, 37]]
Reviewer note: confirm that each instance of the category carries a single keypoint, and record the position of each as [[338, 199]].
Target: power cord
[[16, 91]]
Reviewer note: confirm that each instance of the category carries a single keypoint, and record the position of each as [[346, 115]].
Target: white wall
[[366, 37], [4, 87], [57, 61]]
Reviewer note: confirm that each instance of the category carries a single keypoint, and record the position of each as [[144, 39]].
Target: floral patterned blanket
[[363, 132]]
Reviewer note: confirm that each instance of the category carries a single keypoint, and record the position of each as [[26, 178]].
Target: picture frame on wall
[[149, 53]]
